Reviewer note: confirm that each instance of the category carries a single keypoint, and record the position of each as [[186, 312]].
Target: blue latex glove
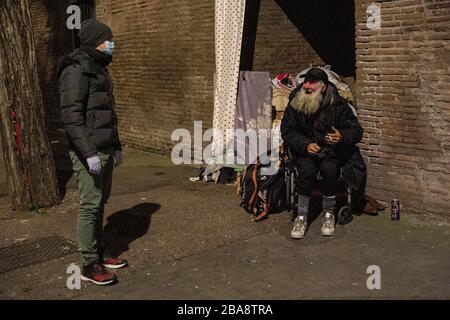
[[95, 165]]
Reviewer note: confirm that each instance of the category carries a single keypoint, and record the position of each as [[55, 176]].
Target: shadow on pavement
[[125, 226]]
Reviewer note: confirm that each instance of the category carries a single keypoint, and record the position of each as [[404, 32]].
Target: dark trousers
[[307, 168]]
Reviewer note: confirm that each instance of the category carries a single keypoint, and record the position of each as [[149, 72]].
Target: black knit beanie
[[93, 33]]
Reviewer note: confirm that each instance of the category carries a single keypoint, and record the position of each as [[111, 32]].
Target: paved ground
[[188, 240]]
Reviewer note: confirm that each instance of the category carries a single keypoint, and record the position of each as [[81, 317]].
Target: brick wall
[[279, 44], [164, 63], [403, 76], [52, 40], [163, 67]]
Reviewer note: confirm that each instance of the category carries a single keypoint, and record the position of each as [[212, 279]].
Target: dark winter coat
[[298, 130], [87, 104]]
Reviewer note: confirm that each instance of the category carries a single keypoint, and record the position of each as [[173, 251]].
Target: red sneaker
[[114, 263], [97, 274]]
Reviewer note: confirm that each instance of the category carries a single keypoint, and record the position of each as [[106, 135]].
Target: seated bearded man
[[321, 132]]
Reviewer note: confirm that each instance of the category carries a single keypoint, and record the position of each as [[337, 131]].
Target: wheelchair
[[343, 214]]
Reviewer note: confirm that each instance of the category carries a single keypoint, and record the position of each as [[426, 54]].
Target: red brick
[[163, 74]]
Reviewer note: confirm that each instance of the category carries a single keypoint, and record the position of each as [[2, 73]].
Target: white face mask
[[109, 47]]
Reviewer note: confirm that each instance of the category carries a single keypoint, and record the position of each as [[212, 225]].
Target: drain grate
[[33, 252]]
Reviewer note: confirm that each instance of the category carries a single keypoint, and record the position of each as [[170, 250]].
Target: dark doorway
[[329, 27], [249, 34]]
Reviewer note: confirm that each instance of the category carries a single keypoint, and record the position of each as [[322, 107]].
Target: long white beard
[[307, 103]]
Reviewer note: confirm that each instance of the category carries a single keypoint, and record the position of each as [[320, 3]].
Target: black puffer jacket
[[87, 104], [298, 130]]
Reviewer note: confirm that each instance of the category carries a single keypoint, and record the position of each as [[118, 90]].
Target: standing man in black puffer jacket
[[89, 117]]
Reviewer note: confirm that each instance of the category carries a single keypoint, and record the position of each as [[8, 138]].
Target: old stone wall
[[164, 63], [403, 76]]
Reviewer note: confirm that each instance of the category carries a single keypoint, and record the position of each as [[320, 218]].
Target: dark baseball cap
[[315, 74]]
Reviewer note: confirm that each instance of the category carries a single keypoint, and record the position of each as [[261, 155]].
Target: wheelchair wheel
[[344, 215]]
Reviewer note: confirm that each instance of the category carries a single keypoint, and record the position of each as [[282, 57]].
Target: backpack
[[262, 194]]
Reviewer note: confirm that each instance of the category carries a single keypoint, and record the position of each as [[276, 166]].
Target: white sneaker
[[328, 225], [298, 232]]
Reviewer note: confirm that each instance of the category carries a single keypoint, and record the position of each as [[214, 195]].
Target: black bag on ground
[[262, 194]]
